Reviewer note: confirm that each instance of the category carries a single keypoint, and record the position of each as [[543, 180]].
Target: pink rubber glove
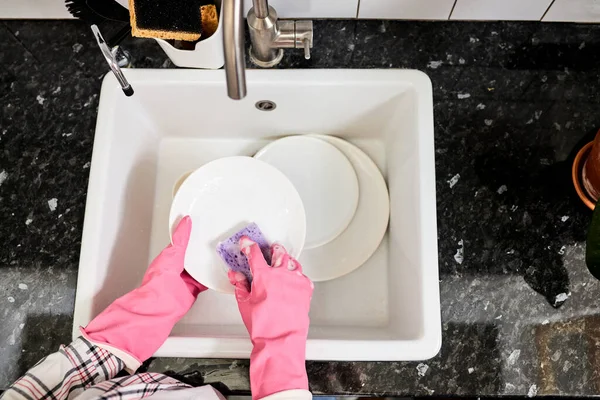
[[275, 312], [139, 322]]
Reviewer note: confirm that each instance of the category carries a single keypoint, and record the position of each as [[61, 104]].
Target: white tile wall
[[311, 8], [33, 9], [574, 11], [285, 8], [522, 10], [561, 10], [405, 9]]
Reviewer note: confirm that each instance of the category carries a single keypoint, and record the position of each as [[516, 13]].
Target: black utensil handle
[[118, 37], [128, 91], [109, 9]]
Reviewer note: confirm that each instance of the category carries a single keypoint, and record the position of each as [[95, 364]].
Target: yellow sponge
[[210, 20], [172, 19]]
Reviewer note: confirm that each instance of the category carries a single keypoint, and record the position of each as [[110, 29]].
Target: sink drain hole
[[266, 105]]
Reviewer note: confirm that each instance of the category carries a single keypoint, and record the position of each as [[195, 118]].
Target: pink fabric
[[275, 312], [139, 322]]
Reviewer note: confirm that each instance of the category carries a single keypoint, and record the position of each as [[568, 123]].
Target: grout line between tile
[[358, 9], [452, 10], [547, 9]]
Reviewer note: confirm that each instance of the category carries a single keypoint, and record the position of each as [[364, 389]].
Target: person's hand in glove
[[275, 311], [135, 325]]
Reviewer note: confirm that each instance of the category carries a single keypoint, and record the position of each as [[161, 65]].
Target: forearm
[[278, 365], [275, 311], [66, 373]]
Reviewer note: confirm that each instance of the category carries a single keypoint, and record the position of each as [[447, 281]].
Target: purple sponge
[[230, 252]]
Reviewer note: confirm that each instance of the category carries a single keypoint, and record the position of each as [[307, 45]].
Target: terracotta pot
[[577, 174], [591, 169]]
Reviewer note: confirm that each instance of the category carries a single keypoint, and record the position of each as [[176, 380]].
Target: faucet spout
[[268, 36], [261, 8], [234, 48]]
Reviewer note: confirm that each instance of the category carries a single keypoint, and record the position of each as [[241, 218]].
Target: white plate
[[325, 180], [359, 241], [227, 194]]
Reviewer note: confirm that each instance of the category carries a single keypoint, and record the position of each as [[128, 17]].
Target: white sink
[[389, 309]]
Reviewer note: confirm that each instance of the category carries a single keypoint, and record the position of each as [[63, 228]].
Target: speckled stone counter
[[512, 100]]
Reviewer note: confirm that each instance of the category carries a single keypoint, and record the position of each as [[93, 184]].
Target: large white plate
[[363, 235], [324, 178], [227, 194]]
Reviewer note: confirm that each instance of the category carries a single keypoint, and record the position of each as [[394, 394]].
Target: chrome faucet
[[115, 60], [268, 36]]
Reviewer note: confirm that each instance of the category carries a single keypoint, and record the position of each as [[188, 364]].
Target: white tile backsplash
[[44, 9], [520, 10], [285, 8], [574, 11], [311, 8], [561, 10], [405, 9]]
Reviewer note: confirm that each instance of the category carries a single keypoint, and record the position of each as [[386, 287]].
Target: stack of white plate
[[345, 198], [321, 197]]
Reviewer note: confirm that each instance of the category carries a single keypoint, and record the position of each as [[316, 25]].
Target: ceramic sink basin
[[388, 309]]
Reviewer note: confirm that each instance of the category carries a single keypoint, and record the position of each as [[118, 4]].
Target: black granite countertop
[[512, 100]]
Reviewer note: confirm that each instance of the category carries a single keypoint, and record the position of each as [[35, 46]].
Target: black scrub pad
[[167, 19]]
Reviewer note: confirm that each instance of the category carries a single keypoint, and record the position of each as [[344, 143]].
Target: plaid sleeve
[[66, 373]]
